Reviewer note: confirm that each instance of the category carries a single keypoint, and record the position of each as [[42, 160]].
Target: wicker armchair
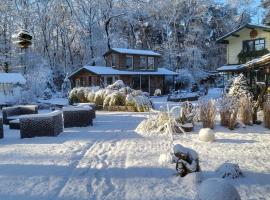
[[1, 128], [49, 124], [9, 113], [92, 105], [78, 116]]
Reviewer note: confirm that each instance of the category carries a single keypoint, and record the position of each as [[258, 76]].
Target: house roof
[[230, 68], [101, 70], [133, 52], [12, 78], [261, 61], [248, 25]]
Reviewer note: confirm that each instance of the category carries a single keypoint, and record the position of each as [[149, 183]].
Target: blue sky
[[253, 6]]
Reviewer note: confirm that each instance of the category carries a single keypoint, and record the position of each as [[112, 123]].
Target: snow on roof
[[257, 61], [101, 70], [136, 51], [13, 78], [230, 68], [110, 71], [248, 25]]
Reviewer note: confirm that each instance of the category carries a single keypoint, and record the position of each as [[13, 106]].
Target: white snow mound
[[206, 135], [217, 188]]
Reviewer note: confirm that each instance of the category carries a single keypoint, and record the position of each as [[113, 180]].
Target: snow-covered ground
[[111, 161]]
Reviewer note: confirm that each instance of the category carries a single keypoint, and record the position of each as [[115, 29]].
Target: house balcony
[[244, 57]]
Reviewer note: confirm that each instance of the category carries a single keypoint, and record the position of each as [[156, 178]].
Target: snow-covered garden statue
[[187, 160]]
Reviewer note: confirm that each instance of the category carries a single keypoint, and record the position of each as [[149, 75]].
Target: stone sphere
[[206, 135], [217, 188]]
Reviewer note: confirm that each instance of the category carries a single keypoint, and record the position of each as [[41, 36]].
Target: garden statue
[[187, 160]]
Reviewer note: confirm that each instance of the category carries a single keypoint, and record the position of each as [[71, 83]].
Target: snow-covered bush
[[114, 99], [142, 103], [228, 108], [266, 112], [206, 135], [217, 188], [91, 97], [176, 112], [99, 97], [208, 113], [238, 87], [78, 95], [47, 94], [157, 92], [245, 110], [117, 85], [229, 170], [189, 113]]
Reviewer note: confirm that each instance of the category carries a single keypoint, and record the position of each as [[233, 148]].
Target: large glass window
[[129, 62], [109, 80], [253, 45], [143, 62], [151, 63]]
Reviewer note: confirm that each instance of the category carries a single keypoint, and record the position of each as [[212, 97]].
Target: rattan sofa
[[92, 105], [78, 116], [11, 113], [35, 125]]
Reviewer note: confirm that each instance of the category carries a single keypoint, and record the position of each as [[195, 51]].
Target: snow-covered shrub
[[157, 92], [217, 188], [228, 108], [206, 135], [142, 103], [266, 112], [229, 170], [137, 92], [114, 99], [78, 95], [188, 114], [99, 97], [91, 97], [208, 113], [117, 85], [126, 90], [245, 110], [47, 94], [238, 87]]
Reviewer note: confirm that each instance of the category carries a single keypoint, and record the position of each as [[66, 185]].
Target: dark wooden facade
[[120, 61]]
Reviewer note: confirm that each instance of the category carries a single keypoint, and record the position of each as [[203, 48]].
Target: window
[[109, 80], [253, 45], [151, 63], [129, 62], [89, 81], [143, 62], [113, 60]]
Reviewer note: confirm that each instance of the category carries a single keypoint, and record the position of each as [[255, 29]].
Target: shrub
[[266, 111], [245, 110], [208, 113], [114, 99], [228, 106]]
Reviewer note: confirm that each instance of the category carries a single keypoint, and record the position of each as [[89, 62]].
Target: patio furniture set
[[31, 124]]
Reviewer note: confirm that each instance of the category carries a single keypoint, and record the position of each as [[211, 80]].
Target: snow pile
[[229, 170], [217, 188], [206, 135], [112, 97], [157, 92]]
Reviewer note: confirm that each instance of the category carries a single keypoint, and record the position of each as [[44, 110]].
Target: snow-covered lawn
[[111, 161]]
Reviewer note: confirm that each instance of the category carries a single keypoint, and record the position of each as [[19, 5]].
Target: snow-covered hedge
[[112, 97]]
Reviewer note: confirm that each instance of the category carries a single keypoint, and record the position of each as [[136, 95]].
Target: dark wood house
[[137, 68]]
